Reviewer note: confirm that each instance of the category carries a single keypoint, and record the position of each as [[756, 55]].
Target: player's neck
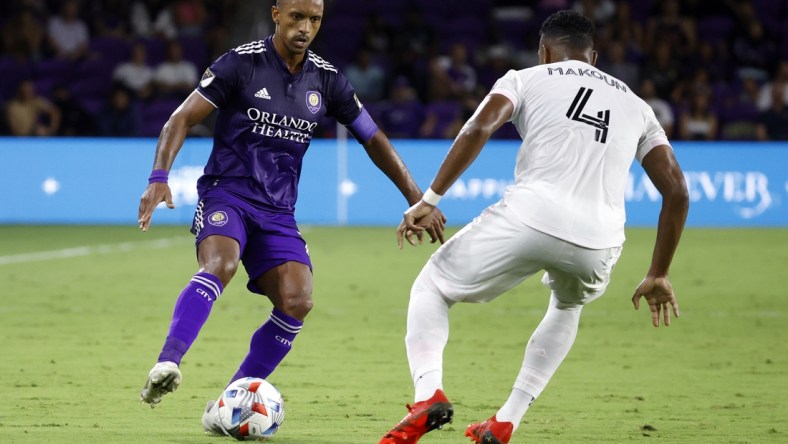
[[293, 61]]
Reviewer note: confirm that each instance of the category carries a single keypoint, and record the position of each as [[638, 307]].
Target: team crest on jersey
[[207, 78], [313, 101], [218, 218]]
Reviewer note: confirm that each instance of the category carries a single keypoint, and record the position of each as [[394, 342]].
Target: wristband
[[158, 176], [431, 197]]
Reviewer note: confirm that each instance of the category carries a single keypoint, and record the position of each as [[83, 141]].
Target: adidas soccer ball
[[251, 408]]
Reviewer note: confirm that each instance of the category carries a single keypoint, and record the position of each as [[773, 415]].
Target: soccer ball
[[251, 408]]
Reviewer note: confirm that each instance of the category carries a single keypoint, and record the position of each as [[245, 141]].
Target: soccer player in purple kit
[[270, 94]]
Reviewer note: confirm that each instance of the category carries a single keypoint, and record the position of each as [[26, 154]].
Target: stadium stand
[[731, 51]]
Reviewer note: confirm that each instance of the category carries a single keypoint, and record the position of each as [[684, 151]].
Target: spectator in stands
[[687, 88], [461, 75], [135, 74], [439, 85], [672, 28], [190, 17], [753, 51], [377, 34], [153, 18], [23, 36], [367, 78], [68, 34], [497, 64], [28, 114], [600, 11], [739, 114], [617, 65], [663, 69], [625, 29], [74, 119], [773, 123], [175, 77], [416, 35], [765, 94], [404, 114], [119, 118], [699, 122], [661, 108], [109, 18]]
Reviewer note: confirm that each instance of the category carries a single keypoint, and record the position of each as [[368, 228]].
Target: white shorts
[[496, 252]]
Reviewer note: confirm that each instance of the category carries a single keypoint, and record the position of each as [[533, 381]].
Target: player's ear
[[275, 14], [544, 55], [593, 58]]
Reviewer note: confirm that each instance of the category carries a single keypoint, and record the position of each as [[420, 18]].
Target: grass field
[[86, 309]]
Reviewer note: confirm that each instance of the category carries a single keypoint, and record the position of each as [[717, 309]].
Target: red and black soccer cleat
[[490, 432], [422, 417]]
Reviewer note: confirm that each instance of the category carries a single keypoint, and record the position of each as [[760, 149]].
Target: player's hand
[[436, 227], [415, 220], [659, 295], [156, 193]]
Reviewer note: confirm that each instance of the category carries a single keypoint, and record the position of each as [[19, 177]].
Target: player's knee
[[222, 268], [297, 303]]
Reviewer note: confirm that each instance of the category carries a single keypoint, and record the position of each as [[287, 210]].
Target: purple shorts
[[267, 239]]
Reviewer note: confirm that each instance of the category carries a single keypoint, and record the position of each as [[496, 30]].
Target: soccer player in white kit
[[581, 130]]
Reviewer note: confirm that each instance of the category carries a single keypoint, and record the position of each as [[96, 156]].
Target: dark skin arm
[[662, 168], [383, 155], [494, 111], [192, 111]]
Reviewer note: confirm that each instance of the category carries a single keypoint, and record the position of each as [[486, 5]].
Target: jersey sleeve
[[221, 79], [510, 87], [349, 111], [653, 134], [344, 105]]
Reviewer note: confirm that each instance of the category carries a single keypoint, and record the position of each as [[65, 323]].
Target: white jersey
[[581, 129]]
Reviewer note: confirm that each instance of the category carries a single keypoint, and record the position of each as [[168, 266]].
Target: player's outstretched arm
[[192, 111], [494, 111], [386, 158], [662, 168]]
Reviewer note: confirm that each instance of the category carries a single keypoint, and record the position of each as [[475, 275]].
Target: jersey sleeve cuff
[[506, 93], [650, 145], [206, 98], [363, 128]]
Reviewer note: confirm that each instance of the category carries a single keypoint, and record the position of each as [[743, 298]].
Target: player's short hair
[[570, 28]]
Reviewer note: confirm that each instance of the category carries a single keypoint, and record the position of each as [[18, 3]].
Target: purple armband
[[363, 128], [158, 176]]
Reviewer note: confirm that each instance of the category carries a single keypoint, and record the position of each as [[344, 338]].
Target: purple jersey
[[266, 119]]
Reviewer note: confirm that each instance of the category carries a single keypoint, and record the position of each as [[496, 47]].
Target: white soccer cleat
[[210, 419], [163, 378]]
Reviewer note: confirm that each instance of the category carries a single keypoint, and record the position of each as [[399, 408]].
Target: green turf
[[80, 333]]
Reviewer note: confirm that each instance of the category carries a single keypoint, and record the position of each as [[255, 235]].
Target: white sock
[[547, 348], [428, 332], [515, 407]]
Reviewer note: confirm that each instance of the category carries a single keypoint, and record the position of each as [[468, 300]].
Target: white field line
[[67, 253]]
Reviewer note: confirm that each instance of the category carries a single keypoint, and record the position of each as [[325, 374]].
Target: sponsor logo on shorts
[[217, 218]]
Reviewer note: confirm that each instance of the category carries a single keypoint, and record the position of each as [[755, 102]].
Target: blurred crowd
[[711, 70]]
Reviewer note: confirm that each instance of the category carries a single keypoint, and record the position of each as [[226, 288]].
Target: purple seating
[[156, 50], [195, 50], [155, 114], [110, 49], [445, 113], [714, 29], [11, 73], [62, 70]]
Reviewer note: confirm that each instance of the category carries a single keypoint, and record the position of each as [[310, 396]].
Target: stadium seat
[[714, 29]]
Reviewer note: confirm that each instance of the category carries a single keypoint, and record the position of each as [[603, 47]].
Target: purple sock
[[270, 343], [191, 311]]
